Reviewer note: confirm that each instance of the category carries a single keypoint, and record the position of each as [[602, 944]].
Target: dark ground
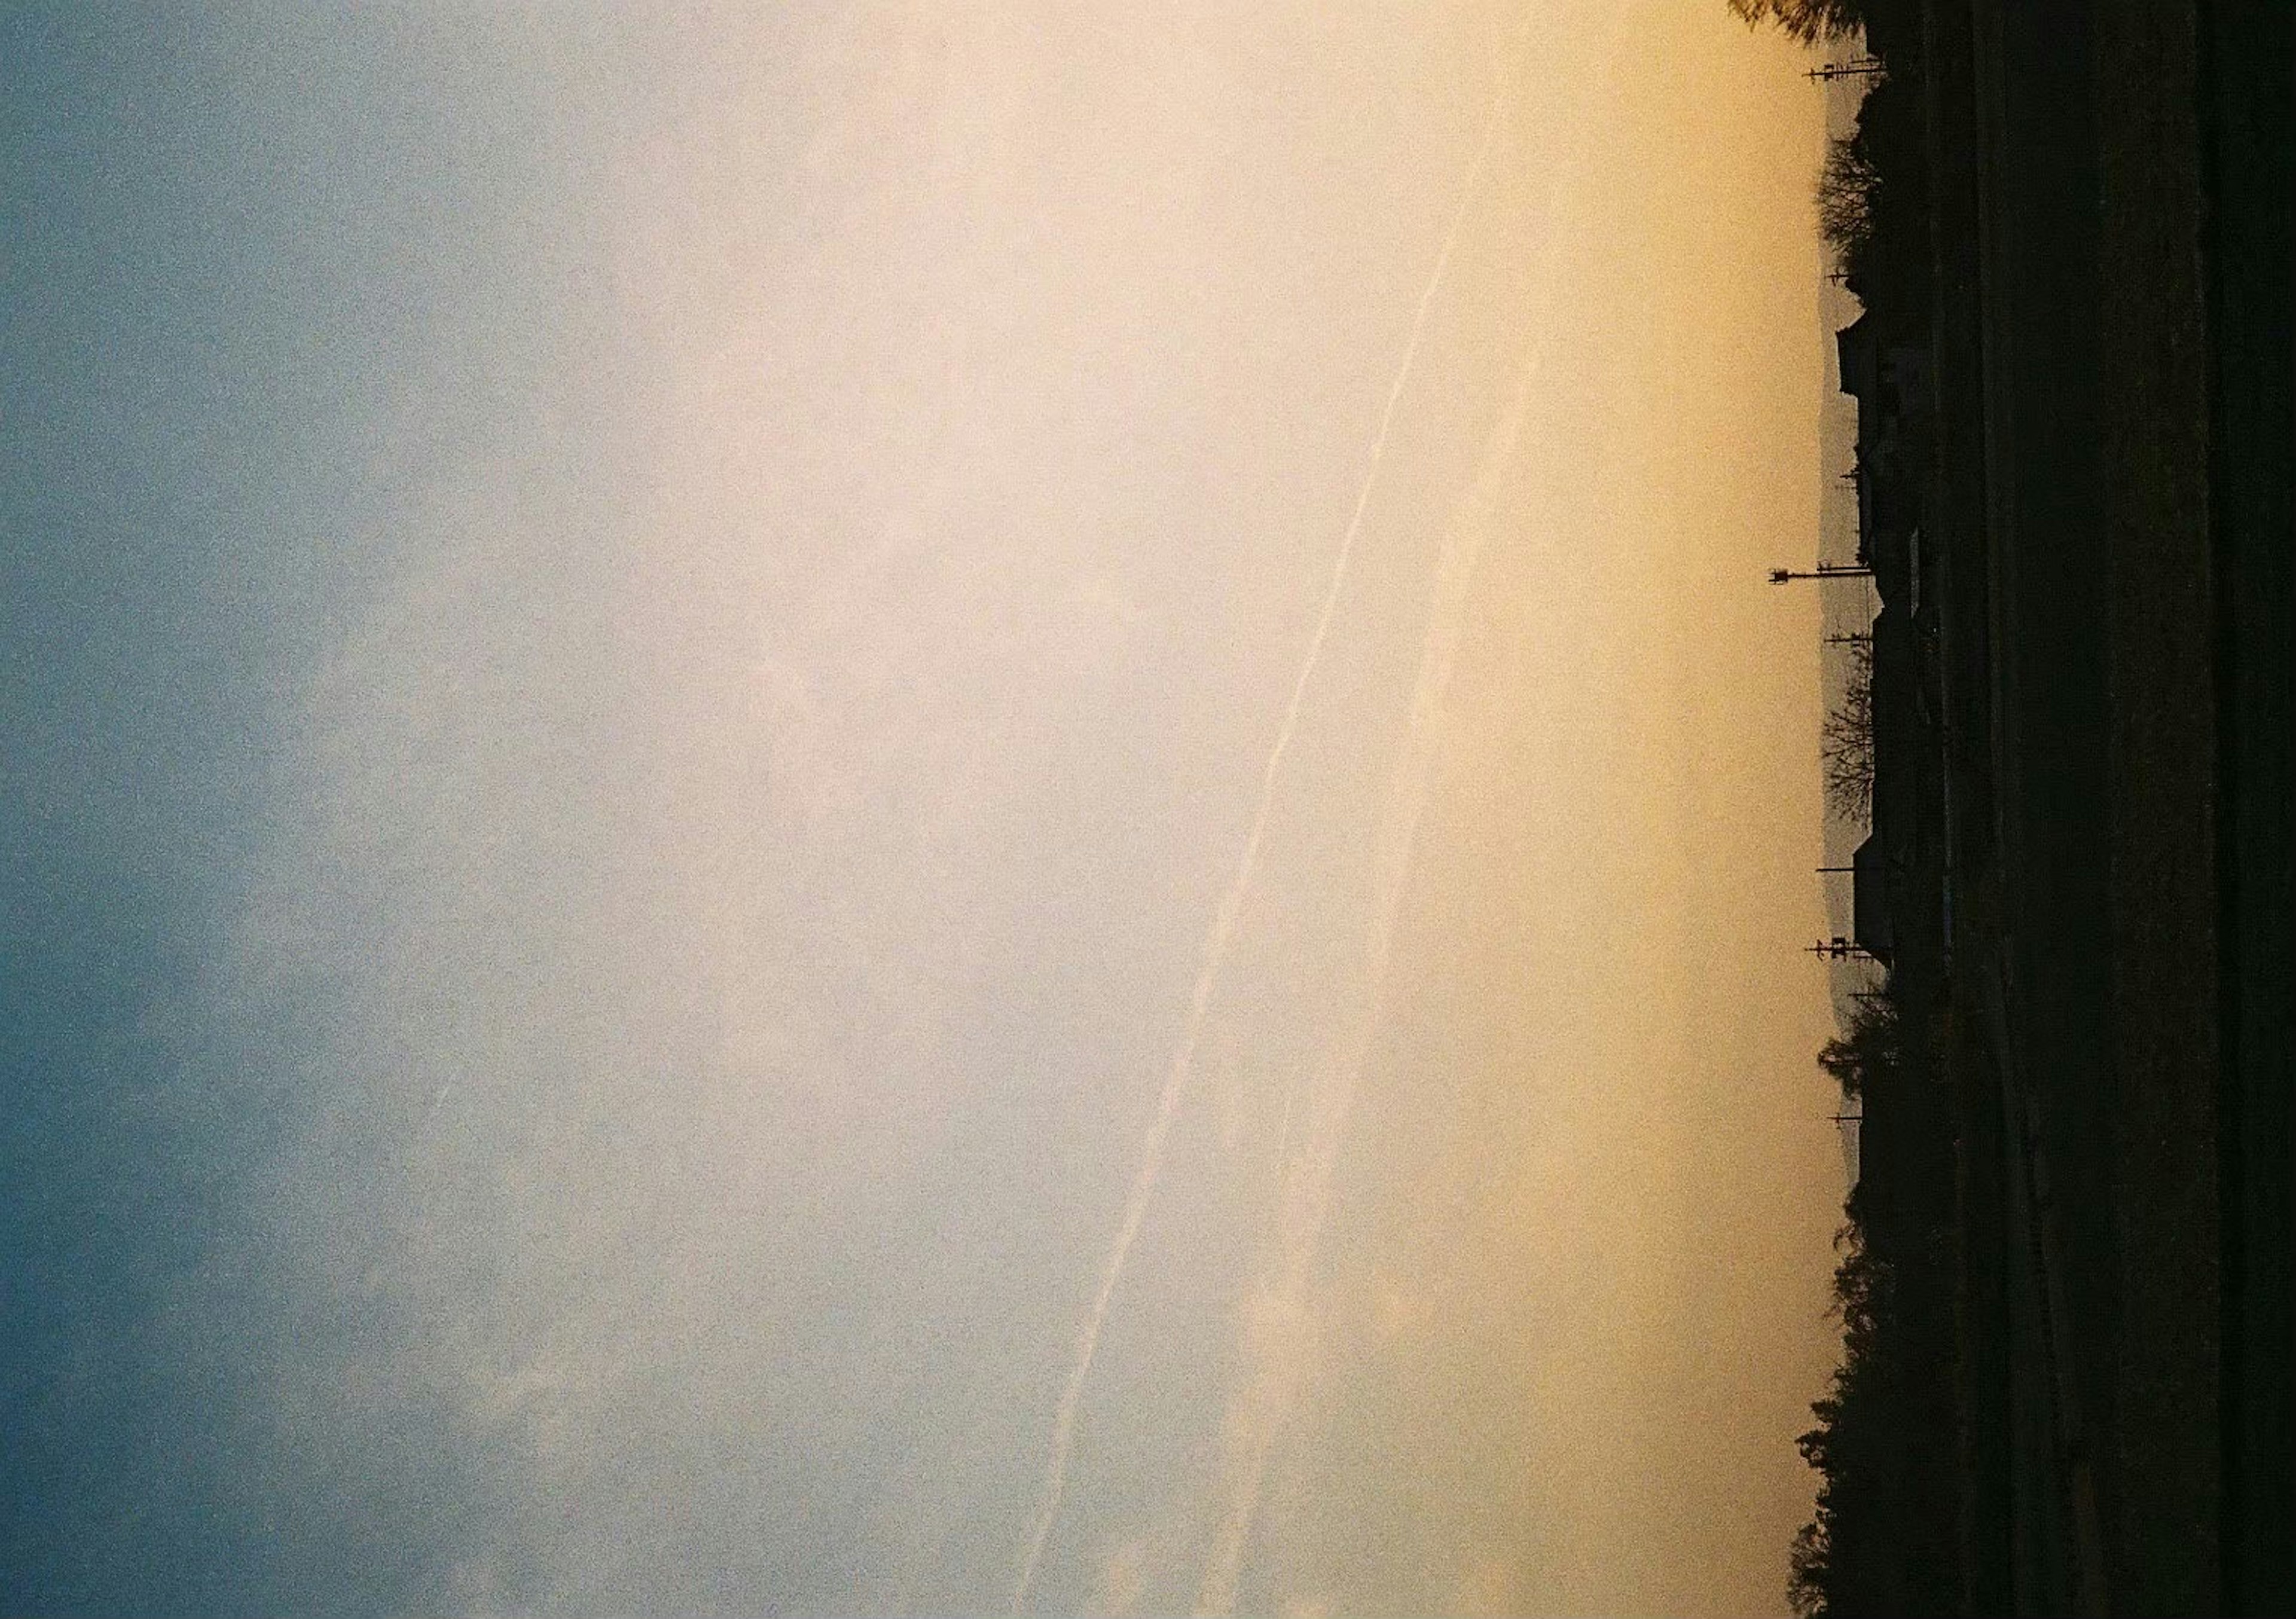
[[2246, 64], [2109, 196]]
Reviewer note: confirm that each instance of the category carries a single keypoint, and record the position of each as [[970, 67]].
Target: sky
[[946, 806]]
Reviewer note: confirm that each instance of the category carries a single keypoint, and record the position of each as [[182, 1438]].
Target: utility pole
[[1839, 949], [1865, 67], [1851, 638], [1824, 571]]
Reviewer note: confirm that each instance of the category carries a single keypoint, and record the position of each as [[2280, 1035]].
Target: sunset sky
[[909, 808]]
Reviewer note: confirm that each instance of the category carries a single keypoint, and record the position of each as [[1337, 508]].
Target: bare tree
[[1846, 188], [1805, 22], [1872, 1047], [1846, 741]]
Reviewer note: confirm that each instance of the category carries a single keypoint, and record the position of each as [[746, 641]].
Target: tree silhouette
[[1883, 1538], [1805, 22], [1846, 741], [1874, 1045], [1846, 190]]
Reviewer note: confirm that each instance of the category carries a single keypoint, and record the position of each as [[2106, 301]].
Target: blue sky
[[637, 654]]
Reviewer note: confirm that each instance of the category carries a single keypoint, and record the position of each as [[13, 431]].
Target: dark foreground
[[2096, 950]]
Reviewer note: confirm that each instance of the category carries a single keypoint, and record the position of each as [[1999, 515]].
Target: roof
[[1869, 882], [1857, 350]]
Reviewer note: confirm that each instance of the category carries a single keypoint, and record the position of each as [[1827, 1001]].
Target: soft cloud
[[690, 619]]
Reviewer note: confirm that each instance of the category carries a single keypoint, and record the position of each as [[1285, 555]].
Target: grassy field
[[2083, 205], [2247, 63], [2122, 1171]]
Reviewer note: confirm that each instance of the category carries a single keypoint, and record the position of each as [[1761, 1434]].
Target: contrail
[[1305, 1198], [1222, 930], [1304, 1194]]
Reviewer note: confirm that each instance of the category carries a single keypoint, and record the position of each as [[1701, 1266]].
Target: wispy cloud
[[1278, 1365], [1221, 934], [1279, 1362]]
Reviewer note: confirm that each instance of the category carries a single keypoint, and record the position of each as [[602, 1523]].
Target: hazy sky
[[785, 832]]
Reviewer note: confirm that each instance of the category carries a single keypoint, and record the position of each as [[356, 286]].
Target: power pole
[[1839, 949], [1824, 571], [1865, 67], [1851, 638]]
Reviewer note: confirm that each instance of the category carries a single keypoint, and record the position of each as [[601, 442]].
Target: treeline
[[1872, 194], [1884, 1539], [1886, 1535]]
